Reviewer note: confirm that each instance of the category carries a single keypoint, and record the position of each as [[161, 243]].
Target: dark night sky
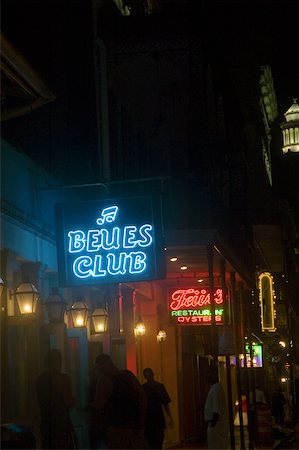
[[29, 25], [55, 36], [285, 51], [267, 28], [39, 27]]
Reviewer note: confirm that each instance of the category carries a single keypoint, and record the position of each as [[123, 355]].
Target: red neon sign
[[192, 306]]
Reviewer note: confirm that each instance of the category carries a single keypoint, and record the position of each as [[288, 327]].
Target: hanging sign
[[192, 306], [109, 241]]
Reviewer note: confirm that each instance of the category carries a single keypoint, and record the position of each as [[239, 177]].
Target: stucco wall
[[27, 210]]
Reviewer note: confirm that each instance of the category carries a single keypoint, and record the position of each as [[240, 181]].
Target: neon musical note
[[108, 215]]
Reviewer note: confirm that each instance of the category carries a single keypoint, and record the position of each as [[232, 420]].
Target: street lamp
[[100, 320], [55, 306], [79, 313], [27, 296]]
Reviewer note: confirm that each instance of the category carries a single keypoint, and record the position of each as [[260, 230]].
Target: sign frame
[[111, 240], [187, 306]]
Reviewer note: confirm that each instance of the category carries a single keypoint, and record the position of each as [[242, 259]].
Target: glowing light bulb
[[27, 308], [140, 329], [79, 321]]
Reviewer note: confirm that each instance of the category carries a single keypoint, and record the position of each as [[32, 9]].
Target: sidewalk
[[290, 440], [283, 441]]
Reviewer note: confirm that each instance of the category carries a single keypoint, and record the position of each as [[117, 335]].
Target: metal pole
[[214, 337], [179, 346], [250, 388], [230, 403], [228, 367], [235, 317]]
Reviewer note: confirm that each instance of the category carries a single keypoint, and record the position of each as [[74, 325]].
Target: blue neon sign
[[116, 240]]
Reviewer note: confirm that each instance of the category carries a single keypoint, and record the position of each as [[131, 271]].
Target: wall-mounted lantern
[[55, 306], [161, 335], [290, 129], [140, 328], [100, 320], [79, 313], [26, 296], [1, 286]]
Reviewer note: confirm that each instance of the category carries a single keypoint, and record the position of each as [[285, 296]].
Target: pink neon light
[[186, 298]]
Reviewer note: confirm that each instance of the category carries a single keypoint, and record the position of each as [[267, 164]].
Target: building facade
[[182, 120]]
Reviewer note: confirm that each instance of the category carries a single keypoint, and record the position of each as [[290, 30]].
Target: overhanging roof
[[22, 89], [190, 247]]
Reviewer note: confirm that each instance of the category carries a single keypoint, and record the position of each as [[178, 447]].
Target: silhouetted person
[[55, 399], [157, 399], [92, 416], [215, 412], [277, 406], [120, 401], [263, 419]]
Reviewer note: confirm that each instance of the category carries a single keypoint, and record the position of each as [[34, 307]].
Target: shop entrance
[[194, 390]]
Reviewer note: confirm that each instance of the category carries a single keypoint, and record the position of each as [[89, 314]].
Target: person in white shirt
[[215, 412], [260, 395]]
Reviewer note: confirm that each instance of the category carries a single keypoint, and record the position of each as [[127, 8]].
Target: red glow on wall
[[192, 306]]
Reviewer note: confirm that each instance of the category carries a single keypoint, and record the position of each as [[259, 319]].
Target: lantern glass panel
[[79, 313], [27, 297], [55, 307], [56, 312], [100, 320]]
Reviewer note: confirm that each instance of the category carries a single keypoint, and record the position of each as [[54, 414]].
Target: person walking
[[157, 401], [120, 402], [263, 421], [277, 406], [215, 412], [55, 400]]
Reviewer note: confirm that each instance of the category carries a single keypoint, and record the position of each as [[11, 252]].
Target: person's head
[[148, 374], [104, 364], [54, 359], [212, 375]]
